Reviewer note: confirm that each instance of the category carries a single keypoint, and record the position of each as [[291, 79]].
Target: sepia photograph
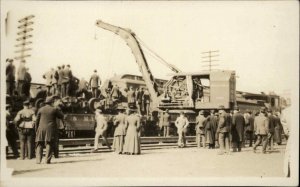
[[149, 93]]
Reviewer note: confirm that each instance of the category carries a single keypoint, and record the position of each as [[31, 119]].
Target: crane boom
[[136, 49]]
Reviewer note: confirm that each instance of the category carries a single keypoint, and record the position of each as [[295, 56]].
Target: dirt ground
[[174, 162]]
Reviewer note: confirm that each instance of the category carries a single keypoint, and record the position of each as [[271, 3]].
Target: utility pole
[[23, 37], [208, 57]]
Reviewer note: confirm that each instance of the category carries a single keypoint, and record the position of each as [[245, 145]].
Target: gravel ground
[[175, 162]]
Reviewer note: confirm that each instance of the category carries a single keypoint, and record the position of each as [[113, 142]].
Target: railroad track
[[73, 147]]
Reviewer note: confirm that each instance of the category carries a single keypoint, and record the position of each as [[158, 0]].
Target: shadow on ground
[[26, 171]]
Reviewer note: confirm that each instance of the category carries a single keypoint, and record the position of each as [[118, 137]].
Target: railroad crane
[[180, 93]]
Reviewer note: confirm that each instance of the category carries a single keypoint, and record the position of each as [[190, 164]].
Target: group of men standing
[[21, 87], [36, 129], [231, 130], [58, 81], [140, 99]]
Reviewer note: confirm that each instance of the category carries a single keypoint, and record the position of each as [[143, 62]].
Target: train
[[81, 123]]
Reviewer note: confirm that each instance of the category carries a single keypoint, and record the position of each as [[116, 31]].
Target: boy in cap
[[181, 123], [101, 129]]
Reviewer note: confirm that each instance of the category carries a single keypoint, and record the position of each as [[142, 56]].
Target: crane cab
[[202, 90]]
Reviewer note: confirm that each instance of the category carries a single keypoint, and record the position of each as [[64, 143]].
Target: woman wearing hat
[[120, 131], [25, 121], [132, 140]]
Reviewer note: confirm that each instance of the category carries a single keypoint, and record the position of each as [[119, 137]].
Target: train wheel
[[93, 104], [38, 103]]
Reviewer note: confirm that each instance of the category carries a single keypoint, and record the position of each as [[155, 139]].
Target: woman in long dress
[[132, 139], [120, 131]]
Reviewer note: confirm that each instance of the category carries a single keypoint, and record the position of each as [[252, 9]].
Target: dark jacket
[[272, 123], [46, 123], [237, 130]]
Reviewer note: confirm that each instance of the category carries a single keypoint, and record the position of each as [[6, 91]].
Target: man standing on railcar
[[48, 77], [94, 83], [21, 78], [10, 76]]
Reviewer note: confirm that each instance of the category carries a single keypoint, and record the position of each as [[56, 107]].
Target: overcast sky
[[259, 40]]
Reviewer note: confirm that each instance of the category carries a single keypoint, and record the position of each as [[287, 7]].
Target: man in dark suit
[[237, 130], [10, 76], [272, 121], [46, 127]]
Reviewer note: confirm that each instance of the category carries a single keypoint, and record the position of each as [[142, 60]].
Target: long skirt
[[277, 135], [118, 143], [132, 142]]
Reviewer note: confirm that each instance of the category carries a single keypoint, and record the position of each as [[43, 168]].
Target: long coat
[[120, 132], [210, 129], [278, 130], [120, 122], [237, 129], [95, 81], [46, 123], [132, 139], [250, 126], [271, 123]]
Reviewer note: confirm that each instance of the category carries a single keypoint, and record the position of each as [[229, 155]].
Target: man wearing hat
[[200, 127], [250, 128], [59, 80], [223, 131], [46, 125], [25, 121], [101, 129], [120, 130], [21, 77], [94, 83], [181, 123], [261, 128], [272, 124], [27, 83], [11, 132], [164, 122], [67, 76], [10, 76], [237, 130]]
